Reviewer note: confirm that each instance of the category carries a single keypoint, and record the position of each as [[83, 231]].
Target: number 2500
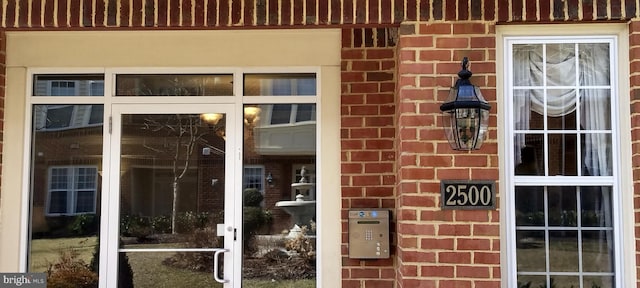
[[464, 195]]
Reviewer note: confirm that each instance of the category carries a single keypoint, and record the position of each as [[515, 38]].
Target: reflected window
[[290, 113], [72, 190], [62, 117], [253, 177], [68, 85]]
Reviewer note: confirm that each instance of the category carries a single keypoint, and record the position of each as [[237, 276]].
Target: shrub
[[302, 244], [70, 272], [196, 261], [84, 224], [251, 197], [161, 224], [125, 273], [189, 221]]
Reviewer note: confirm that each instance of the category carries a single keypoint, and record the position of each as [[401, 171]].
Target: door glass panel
[[279, 195], [174, 85], [66, 183], [172, 196]]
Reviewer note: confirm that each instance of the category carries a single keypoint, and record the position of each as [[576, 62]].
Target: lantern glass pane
[[448, 119], [467, 127]]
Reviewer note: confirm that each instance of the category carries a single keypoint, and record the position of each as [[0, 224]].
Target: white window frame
[[624, 267], [72, 190]]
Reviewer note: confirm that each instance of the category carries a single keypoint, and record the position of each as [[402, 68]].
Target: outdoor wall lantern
[[465, 113]]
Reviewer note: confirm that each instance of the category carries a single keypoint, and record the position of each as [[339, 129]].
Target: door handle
[[216, 261]]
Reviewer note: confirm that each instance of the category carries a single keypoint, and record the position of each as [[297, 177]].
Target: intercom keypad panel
[[369, 234]]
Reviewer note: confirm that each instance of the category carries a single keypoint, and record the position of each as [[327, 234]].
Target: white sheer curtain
[[561, 64]]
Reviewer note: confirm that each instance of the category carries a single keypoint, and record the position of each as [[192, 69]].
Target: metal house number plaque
[[465, 194]]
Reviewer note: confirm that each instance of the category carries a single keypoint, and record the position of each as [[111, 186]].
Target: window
[[253, 177], [562, 169], [63, 117], [72, 190], [292, 113]]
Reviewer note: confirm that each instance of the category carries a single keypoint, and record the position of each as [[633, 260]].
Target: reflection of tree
[[186, 132]]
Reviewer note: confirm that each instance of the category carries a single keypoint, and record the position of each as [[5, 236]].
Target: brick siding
[[368, 141], [286, 13], [443, 248], [634, 64]]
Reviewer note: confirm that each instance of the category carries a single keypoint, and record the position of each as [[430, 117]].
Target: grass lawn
[[47, 251], [148, 269]]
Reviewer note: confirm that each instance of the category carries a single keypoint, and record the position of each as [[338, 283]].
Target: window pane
[[305, 112], [281, 114], [58, 117], [595, 109], [561, 106], [253, 178], [58, 202], [598, 282], [530, 155], [531, 251], [86, 178], [530, 206], [65, 117], [594, 64], [529, 281], [174, 85], [64, 181], [526, 65], [595, 202], [85, 201], [59, 178], [562, 206], [97, 114], [280, 84], [597, 251], [284, 214], [565, 281], [561, 64], [563, 151], [563, 251], [68, 85]]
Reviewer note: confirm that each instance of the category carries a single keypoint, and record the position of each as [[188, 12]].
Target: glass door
[[174, 179]]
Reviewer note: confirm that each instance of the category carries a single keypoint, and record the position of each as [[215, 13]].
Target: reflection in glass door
[[173, 213]]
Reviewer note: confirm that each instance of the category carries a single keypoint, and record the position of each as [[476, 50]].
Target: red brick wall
[[302, 13], [367, 139], [634, 59], [443, 248]]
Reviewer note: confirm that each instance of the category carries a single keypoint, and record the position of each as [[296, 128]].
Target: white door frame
[[232, 226]]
